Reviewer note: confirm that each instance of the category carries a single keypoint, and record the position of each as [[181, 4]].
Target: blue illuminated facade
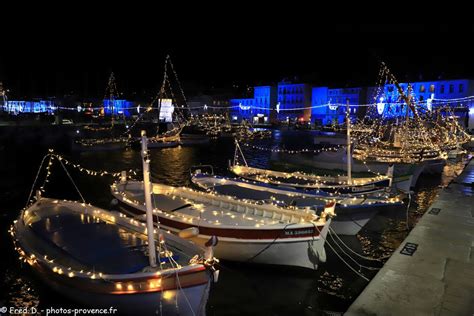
[[118, 107], [329, 105], [325, 106], [295, 101], [258, 110], [429, 95], [17, 107]]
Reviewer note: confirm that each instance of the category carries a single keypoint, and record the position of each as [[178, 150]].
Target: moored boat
[[352, 213], [100, 259], [340, 184], [300, 180], [247, 231]]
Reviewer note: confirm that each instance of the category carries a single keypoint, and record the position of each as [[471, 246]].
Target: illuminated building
[[294, 102], [429, 95], [17, 107], [241, 109], [118, 107], [329, 105], [258, 110], [325, 106]]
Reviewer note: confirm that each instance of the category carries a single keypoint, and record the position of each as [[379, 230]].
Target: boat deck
[[207, 212], [432, 272], [260, 195], [86, 242], [288, 196]]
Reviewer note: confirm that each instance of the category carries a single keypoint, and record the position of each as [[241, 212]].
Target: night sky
[[44, 61]]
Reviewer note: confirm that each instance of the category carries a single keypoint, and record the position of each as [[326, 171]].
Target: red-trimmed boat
[[247, 231], [101, 259]]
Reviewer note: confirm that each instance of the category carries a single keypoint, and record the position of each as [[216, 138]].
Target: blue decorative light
[[121, 107], [16, 107]]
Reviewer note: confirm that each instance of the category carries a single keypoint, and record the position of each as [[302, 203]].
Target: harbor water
[[242, 289]]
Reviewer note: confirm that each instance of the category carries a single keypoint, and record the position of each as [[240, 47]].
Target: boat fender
[[114, 202], [189, 232], [209, 256], [215, 275], [212, 242]]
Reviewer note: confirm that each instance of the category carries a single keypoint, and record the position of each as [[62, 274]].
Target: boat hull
[[186, 289], [191, 300], [349, 219], [241, 246]]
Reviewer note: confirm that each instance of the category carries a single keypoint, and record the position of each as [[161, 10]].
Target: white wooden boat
[[352, 213], [300, 180], [103, 259], [99, 259], [247, 231]]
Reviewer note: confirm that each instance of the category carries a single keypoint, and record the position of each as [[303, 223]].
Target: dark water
[[242, 289]]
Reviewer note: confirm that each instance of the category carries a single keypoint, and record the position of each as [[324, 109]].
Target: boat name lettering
[[298, 232]]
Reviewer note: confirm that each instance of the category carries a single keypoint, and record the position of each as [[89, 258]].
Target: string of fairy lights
[[91, 214], [51, 156], [293, 151], [192, 197], [424, 135], [368, 105]]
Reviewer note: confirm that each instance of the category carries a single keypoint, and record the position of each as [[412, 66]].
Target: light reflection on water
[[395, 228], [242, 289]]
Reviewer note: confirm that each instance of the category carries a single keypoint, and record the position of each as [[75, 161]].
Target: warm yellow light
[[154, 284], [168, 295]]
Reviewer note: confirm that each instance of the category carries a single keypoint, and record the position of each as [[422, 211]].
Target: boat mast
[[348, 149], [406, 98], [149, 208], [112, 89]]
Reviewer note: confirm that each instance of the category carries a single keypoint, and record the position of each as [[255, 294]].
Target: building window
[[451, 88], [461, 88], [421, 98], [441, 89], [432, 88], [422, 88]]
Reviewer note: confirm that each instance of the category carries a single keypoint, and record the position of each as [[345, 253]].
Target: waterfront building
[[259, 110], [118, 107], [329, 105], [294, 102], [208, 104], [16, 107], [325, 106], [241, 109], [430, 95]]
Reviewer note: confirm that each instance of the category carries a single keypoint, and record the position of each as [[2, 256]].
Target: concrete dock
[[432, 272]]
